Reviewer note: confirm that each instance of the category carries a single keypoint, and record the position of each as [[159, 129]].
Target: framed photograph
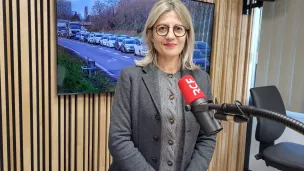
[[96, 39]]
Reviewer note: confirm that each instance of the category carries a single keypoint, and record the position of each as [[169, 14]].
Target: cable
[[238, 104]]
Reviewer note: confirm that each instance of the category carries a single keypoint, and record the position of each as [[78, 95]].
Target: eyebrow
[[169, 25]]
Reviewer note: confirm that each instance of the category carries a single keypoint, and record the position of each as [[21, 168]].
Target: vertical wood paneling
[[80, 135], [38, 80], [54, 114], [46, 108], [61, 133], [18, 98], [102, 143], [90, 131], [86, 136], [43, 131], [10, 83], [32, 82], [3, 135], [95, 133], [67, 133], [229, 73], [1, 114], [25, 115], [108, 109], [72, 133]]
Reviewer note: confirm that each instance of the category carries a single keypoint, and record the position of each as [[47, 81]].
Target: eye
[[179, 28], [162, 28]]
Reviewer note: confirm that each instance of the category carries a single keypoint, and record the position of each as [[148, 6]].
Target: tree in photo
[[64, 9]]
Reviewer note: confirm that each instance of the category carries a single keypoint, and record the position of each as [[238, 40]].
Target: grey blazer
[[135, 125]]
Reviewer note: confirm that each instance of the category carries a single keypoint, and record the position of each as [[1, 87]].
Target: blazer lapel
[[151, 81], [187, 122], [184, 73], [186, 114]]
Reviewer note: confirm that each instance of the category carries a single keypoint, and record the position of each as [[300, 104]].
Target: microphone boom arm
[[234, 110]]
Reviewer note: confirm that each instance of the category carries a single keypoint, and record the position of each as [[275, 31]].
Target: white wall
[[281, 52], [280, 62]]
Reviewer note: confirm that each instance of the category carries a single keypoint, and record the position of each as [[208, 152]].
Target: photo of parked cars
[[97, 39]]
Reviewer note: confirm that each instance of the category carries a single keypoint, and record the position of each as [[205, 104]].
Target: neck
[[169, 64]]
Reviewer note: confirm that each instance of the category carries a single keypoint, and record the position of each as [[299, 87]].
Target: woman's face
[[172, 43]]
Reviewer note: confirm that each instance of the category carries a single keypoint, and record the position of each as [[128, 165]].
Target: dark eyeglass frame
[[156, 27]]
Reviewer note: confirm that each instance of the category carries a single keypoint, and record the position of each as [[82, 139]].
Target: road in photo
[[107, 59]]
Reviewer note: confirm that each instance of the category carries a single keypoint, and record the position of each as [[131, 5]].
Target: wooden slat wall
[[42, 131], [229, 75]]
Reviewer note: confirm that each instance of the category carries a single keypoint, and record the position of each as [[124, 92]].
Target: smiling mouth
[[170, 45]]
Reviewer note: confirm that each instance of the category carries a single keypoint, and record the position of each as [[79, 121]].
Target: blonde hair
[[159, 8]]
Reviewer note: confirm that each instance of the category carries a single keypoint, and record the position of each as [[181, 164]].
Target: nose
[[170, 34]]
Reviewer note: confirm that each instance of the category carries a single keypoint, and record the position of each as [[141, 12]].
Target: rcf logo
[[192, 84]]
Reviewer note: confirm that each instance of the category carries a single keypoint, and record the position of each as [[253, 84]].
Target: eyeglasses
[[178, 30]]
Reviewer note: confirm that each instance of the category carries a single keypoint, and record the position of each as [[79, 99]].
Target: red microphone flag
[[190, 90]]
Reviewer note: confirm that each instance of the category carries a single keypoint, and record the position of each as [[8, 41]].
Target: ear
[[151, 36]]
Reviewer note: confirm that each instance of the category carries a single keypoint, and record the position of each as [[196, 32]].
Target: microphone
[[193, 95]]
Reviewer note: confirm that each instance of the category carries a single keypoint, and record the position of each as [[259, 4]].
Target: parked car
[[84, 37], [62, 33], [140, 48], [201, 60], [104, 40], [91, 38], [77, 36], [135, 38], [127, 45], [203, 47], [123, 35], [111, 41], [97, 38], [118, 42]]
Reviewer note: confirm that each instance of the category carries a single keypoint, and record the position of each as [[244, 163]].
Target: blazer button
[[170, 142], [155, 138], [171, 121], [157, 117], [154, 159], [169, 163]]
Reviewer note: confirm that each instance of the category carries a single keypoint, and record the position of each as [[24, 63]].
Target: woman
[[149, 128]]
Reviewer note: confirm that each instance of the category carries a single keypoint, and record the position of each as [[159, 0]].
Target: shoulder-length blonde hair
[[161, 7]]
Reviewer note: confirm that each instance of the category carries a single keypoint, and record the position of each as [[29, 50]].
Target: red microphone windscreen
[[190, 90]]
